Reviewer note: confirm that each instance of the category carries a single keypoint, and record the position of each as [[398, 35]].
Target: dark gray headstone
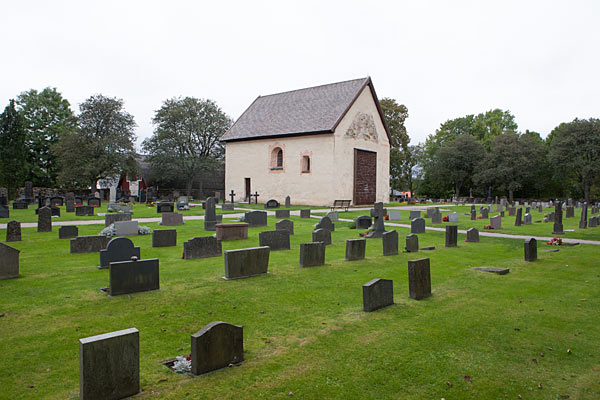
[[29, 191], [570, 212], [20, 205], [530, 249], [109, 365], [118, 249], [88, 244], [133, 276], [216, 346], [165, 207], [210, 216], [419, 278], [499, 271], [305, 213], [84, 211], [378, 213], [417, 225], [56, 201], [583, 220], [276, 240], [164, 237], [451, 235], [288, 202], [285, 225], [412, 243], [68, 232], [227, 207], [44, 220], [110, 219], [485, 213], [255, 218], [4, 211], [282, 213], [558, 225], [325, 223], [243, 263], [355, 249], [312, 254], [202, 247], [94, 202], [414, 214], [527, 219], [472, 235], [593, 223], [473, 215], [13, 231], [322, 235], [9, 262], [389, 241], [363, 222], [272, 204], [519, 217], [377, 293], [70, 205], [512, 211], [436, 216], [496, 222], [171, 219]]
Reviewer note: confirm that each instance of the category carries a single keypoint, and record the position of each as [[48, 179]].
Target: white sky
[[442, 59]]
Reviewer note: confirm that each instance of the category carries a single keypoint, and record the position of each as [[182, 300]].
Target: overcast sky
[[442, 59]]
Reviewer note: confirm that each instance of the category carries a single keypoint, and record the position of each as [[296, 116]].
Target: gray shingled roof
[[312, 110]]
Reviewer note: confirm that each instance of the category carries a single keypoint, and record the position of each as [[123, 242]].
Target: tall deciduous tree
[[13, 156], [400, 160], [46, 114], [99, 147], [186, 139], [575, 150]]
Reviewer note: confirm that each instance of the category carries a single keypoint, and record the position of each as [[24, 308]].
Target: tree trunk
[[586, 192], [188, 187], [94, 185], [510, 196], [457, 191]]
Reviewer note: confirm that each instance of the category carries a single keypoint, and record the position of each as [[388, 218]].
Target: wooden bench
[[341, 204]]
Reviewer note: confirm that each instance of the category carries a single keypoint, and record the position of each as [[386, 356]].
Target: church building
[[315, 145]]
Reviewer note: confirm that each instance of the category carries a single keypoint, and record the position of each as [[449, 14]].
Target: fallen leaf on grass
[[568, 351], [449, 383], [468, 378], [539, 385], [534, 360]]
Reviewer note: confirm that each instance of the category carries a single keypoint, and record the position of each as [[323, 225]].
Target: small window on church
[[277, 158], [280, 158], [305, 164]]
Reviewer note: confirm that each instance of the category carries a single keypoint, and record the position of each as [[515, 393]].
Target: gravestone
[[363, 222], [527, 220], [202, 247], [227, 207], [285, 225], [472, 235], [527, 210], [451, 235], [419, 278], [29, 192], [133, 276], [84, 211], [20, 205], [499, 271], [540, 208], [276, 240], [78, 200], [109, 365], [4, 212], [272, 204], [119, 208], [305, 213], [378, 213], [519, 217], [68, 232], [415, 214], [255, 218], [377, 293], [558, 225], [430, 212], [550, 217], [126, 228], [110, 219], [165, 207], [530, 249], [511, 211], [473, 215], [355, 249], [9, 262], [164, 237], [210, 217], [94, 202], [436, 217], [333, 216], [453, 217], [288, 202], [394, 215], [88, 244], [496, 222], [244, 263], [112, 194], [570, 212], [325, 223], [70, 205], [389, 240], [232, 231], [118, 249], [44, 220], [13, 231], [282, 213], [583, 220], [171, 219], [56, 201], [593, 223], [322, 235], [312, 254], [412, 243], [485, 213], [217, 345], [417, 225]]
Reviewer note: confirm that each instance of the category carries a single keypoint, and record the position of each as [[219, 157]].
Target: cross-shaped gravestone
[[255, 195], [232, 195], [378, 212]]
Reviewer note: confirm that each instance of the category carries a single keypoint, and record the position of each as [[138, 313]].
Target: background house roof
[[307, 111]]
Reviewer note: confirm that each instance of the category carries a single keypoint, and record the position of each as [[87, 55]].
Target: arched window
[[276, 158], [305, 164], [280, 158]]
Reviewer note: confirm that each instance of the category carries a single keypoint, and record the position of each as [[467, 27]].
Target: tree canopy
[[401, 160], [13, 156]]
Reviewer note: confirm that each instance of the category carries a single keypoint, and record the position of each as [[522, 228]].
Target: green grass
[[304, 328]]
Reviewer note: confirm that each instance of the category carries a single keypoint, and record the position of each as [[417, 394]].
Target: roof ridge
[[314, 87]]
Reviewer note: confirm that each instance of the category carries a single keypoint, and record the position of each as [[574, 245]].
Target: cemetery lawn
[[508, 223], [533, 332]]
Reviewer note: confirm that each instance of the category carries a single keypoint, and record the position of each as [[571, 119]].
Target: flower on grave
[[183, 364], [555, 241], [480, 217], [387, 217], [446, 219], [488, 227], [183, 254]]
